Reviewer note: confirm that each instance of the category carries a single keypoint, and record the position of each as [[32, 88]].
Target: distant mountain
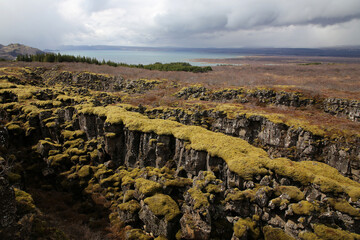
[[10, 51], [341, 51]]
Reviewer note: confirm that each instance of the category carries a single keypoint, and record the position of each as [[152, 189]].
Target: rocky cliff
[[239, 176]]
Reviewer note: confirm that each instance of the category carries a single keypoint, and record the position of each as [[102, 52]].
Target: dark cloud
[[200, 23]]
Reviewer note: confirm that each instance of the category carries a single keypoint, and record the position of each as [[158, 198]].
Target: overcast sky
[[181, 23]]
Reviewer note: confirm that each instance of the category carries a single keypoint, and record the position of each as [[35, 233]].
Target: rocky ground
[[138, 158]]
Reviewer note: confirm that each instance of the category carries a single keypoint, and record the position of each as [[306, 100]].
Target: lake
[[148, 56]]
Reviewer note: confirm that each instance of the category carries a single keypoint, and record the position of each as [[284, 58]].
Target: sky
[[181, 23]]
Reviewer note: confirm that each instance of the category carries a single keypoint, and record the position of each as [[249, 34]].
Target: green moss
[[242, 226], [303, 208], [137, 234], [163, 205], [147, 187], [292, 191], [200, 198], [271, 233], [329, 233], [344, 206], [131, 206], [24, 202]]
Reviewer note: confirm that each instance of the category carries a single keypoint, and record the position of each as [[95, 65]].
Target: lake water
[[148, 56]]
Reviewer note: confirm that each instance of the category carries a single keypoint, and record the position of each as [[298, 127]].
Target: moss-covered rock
[[163, 206]]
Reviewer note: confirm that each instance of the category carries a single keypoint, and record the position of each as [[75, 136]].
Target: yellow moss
[[147, 187], [58, 159], [304, 235], [292, 191], [242, 226], [329, 233], [74, 143], [163, 205], [238, 195], [75, 151], [160, 238], [71, 135], [84, 171], [137, 234], [303, 208], [178, 182], [241, 157], [131, 206], [279, 201], [344, 206], [24, 201], [126, 180], [212, 188], [271, 233], [13, 177], [200, 198], [110, 135], [129, 194]]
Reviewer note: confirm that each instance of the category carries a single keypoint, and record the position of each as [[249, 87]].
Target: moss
[[147, 187], [131, 206], [212, 188], [242, 158], [137, 234], [178, 182], [200, 198], [292, 191], [74, 143], [129, 194], [160, 238], [13, 177], [75, 151], [271, 233], [163, 205], [279, 201], [84, 171], [58, 159], [238, 195], [71, 135], [304, 235], [127, 180], [51, 124], [303, 208], [242, 226], [53, 152], [94, 155], [344, 206], [328, 233], [110, 135], [24, 202]]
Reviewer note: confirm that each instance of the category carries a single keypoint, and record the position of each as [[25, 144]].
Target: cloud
[[200, 23]]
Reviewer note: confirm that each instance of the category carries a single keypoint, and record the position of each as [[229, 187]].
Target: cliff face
[[278, 139], [157, 173]]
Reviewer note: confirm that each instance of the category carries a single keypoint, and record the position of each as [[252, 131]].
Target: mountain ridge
[[11, 51]]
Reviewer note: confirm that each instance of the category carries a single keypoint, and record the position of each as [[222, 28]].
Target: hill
[[11, 51]]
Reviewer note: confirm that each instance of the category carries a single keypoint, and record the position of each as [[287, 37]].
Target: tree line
[[53, 57]]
